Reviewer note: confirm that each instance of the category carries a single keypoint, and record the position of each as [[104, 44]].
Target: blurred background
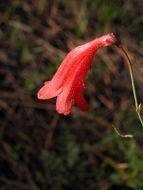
[[40, 149]]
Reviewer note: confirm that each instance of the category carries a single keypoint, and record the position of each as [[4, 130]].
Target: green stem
[[133, 86], [138, 106]]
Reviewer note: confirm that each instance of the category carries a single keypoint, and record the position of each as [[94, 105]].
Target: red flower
[[68, 82]]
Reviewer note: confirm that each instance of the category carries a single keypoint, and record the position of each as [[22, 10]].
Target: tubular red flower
[[68, 82]]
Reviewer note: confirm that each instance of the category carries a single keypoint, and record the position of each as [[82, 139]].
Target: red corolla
[[68, 82]]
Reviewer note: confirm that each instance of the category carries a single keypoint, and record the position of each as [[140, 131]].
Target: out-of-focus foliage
[[40, 149]]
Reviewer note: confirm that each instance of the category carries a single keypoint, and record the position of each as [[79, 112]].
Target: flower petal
[[84, 88], [81, 102], [64, 103], [48, 91]]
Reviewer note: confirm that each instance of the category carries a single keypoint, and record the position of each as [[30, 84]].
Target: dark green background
[[41, 150]]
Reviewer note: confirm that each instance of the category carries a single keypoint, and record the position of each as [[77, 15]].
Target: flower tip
[[109, 39], [40, 95], [63, 112]]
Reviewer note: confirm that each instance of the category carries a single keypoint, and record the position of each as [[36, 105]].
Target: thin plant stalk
[[137, 105]]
